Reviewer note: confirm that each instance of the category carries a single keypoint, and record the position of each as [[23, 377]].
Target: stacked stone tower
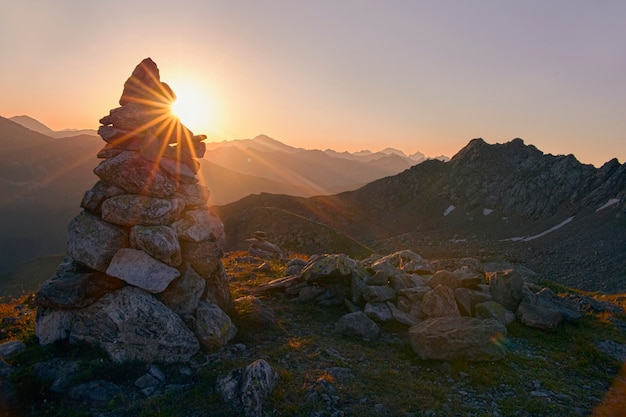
[[143, 278]]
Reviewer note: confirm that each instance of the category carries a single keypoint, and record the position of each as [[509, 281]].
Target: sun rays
[[145, 123]]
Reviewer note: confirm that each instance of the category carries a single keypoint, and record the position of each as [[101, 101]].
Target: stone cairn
[[143, 279]]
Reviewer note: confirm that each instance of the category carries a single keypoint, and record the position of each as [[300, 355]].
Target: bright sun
[[193, 107]]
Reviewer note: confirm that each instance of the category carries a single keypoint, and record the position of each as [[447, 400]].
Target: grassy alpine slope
[[323, 374]]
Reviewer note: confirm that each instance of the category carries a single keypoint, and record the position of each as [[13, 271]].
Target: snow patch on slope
[[609, 203], [545, 232]]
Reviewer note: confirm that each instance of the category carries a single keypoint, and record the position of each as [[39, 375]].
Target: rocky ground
[[572, 371]]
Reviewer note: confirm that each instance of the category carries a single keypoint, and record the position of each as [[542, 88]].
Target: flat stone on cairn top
[[137, 226]]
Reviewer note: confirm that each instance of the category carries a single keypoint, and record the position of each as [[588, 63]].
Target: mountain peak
[[32, 124]]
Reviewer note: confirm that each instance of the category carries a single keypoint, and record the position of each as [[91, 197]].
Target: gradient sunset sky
[[345, 74]]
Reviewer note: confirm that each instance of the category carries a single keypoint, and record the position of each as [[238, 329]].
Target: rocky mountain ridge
[[505, 201]]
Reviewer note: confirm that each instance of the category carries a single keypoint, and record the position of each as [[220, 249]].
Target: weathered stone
[[295, 266], [131, 324], [569, 309], [204, 256], [73, 286], [199, 225], [466, 299], [386, 267], [329, 268], [193, 195], [144, 86], [409, 262], [469, 277], [357, 325], [494, 310], [114, 135], [378, 311], [507, 288], [141, 270], [379, 278], [213, 327], [451, 338], [52, 325], [160, 242], [415, 294], [93, 198], [262, 248], [246, 391], [137, 117], [111, 150], [378, 293], [309, 293], [136, 175], [179, 171], [403, 303], [93, 242], [401, 316], [8, 349], [445, 278], [156, 149], [357, 284], [131, 209], [183, 294], [538, 317], [217, 289], [403, 281], [440, 302]]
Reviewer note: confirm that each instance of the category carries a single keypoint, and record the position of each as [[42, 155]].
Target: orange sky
[[349, 75]]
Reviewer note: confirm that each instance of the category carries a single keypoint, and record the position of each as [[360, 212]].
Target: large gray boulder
[[93, 242], [357, 324], [439, 302], [141, 270], [131, 324], [161, 242], [247, 390], [183, 295], [199, 225], [467, 298], [378, 311], [538, 317], [329, 268], [74, 286], [53, 325], [131, 209], [193, 195], [205, 256], [493, 310], [136, 175], [450, 338], [507, 288], [213, 327], [445, 278], [569, 309]]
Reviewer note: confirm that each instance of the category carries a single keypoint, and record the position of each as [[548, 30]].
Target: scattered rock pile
[[461, 313], [263, 248], [144, 278]]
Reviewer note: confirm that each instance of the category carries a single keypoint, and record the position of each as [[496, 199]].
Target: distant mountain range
[[36, 126], [505, 202], [44, 173]]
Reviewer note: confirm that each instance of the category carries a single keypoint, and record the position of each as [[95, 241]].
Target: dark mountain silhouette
[[491, 201], [42, 181], [36, 126]]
